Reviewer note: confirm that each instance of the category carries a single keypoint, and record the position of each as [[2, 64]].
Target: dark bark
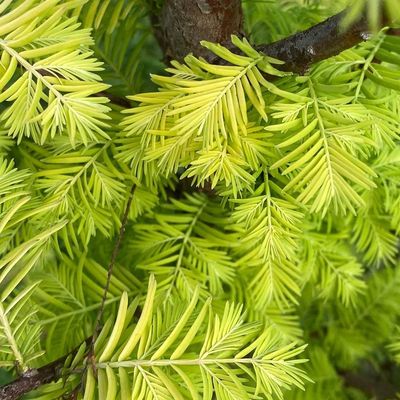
[[32, 379], [320, 42], [28, 382], [182, 24]]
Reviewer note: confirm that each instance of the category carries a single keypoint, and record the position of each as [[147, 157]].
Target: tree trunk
[[182, 24]]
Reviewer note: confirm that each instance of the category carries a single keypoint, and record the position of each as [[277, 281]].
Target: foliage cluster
[[265, 216]]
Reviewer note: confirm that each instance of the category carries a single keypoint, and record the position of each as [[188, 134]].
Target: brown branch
[[317, 43], [182, 24], [33, 378], [110, 269], [117, 100]]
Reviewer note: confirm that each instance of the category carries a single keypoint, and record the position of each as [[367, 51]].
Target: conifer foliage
[[256, 212]]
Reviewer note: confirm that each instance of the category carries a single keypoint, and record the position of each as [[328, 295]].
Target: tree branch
[[110, 269], [182, 24], [317, 43], [33, 378]]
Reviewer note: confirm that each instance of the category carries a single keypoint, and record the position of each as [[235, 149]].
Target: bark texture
[[182, 24], [31, 380], [321, 41]]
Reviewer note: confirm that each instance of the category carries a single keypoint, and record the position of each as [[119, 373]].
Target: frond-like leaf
[[327, 384], [123, 41], [204, 108], [394, 347], [185, 244], [324, 170], [286, 322], [374, 239], [49, 75], [69, 296], [21, 242], [363, 328], [269, 230], [330, 266], [182, 354], [83, 185], [20, 331]]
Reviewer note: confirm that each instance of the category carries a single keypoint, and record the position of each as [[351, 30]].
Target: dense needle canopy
[[219, 227]]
